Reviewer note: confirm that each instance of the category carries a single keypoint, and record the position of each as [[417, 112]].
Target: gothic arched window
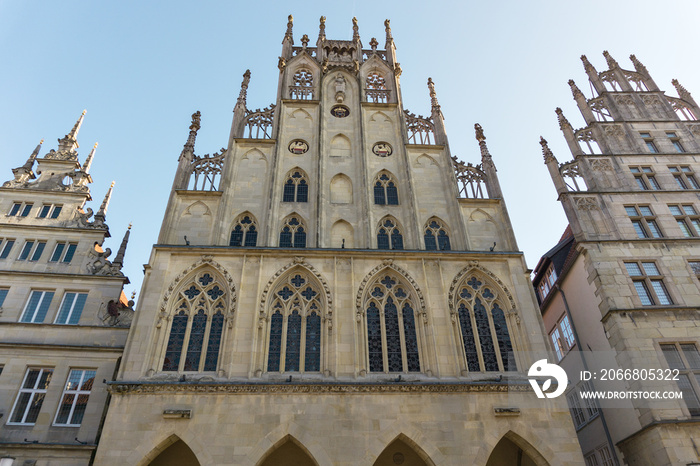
[[293, 234], [385, 191], [197, 326], [485, 336], [302, 85], [389, 235], [245, 232], [295, 326], [296, 187], [392, 345], [436, 236]]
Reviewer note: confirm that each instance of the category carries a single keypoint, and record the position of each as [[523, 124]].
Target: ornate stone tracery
[[205, 170], [421, 130], [258, 124], [470, 179]]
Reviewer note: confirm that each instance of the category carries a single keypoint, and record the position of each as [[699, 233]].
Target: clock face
[[382, 149], [298, 147], [340, 111]]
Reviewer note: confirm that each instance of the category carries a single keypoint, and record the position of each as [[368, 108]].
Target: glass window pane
[[15, 208], [693, 182], [69, 253], [640, 183], [56, 211], [57, 252], [689, 210], [673, 357], [633, 269], [685, 229], [643, 294], [661, 292], [634, 169], [681, 183], [638, 229], [675, 210], [650, 268], [631, 211], [647, 170], [25, 250], [691, 355], [689, 395], [26, 210], [654, 229], [66, 306], [39, 250], [64, 408], [653, 182], [44, 212], [646, 211]]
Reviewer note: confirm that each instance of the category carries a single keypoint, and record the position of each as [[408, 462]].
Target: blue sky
[[142, 68]]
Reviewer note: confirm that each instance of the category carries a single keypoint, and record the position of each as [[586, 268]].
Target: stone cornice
[[148, 388]]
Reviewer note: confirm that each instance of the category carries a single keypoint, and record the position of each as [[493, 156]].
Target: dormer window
[[547, 282]]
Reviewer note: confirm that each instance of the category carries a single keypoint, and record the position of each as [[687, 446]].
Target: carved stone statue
[[339, 88]]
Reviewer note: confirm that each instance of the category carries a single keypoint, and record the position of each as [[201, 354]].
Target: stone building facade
[[628, 285], [63, 317], [333, 288]]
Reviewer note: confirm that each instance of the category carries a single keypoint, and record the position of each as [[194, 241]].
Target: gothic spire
[[88, 161], [485, 155], [587, 65], [70, 141], [102, 213], [546, 151], [682, 91], [638, 65], [25, 172], [194, 127], [355, 30], [563, 122], [288, 35], [119, 258], [322, 29], [612, 64], [244, 89], [389, 37], [433, 96], [574, 89], [30, 161]]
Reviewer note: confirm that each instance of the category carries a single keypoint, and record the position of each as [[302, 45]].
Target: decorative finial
[[611, 61], [129, 227], [70, 141], [244, 89], [133, 294], [548, 155], [322, 29], [304, 40], [574, 89], [479, 132], [586, 64], [27, 167], [563, 122], [355, 30], [88, 161], [373, 43], [387, 27], [290, 24], [682, 91], [638, 65], [433, 96], [41, 142]]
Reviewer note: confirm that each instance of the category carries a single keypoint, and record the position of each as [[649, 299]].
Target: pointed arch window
[[436, 236], [245, 232], [197, 326], [392, 344], [375, 88], [293, 234], [302, 85], [296, 187], [295, 326], [389, 235], [385, 191], [483, 327]]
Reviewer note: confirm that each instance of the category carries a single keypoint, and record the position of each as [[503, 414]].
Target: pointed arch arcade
[[481, 309]]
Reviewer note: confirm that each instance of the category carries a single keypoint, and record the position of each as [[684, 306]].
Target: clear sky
[[142, 68]]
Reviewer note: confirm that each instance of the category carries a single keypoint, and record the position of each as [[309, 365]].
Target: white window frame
[[76, 393], [38, 306], [6, 245], [547, 282], [67, 317], [64, 252], [35, 251], [33, 391], [52, 211], [24, 209]]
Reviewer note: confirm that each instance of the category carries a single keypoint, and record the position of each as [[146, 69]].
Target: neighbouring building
[[621, 287], [64, 319], [334, 288]]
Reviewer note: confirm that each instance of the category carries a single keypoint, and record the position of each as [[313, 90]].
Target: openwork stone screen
[[258, 124], [295, 326], [197, 325], [391, 326], [206, 172], [302, 85], [482, 322], [375, 88], [420, 130], [470, 180]]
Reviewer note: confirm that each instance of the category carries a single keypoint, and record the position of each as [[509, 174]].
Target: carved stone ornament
[[474, 267], [601, 165], [382, 149], [298, 147], [695, 129], [340, 111], [99, 265], [614, 130], [388, 264], [587, 203]]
